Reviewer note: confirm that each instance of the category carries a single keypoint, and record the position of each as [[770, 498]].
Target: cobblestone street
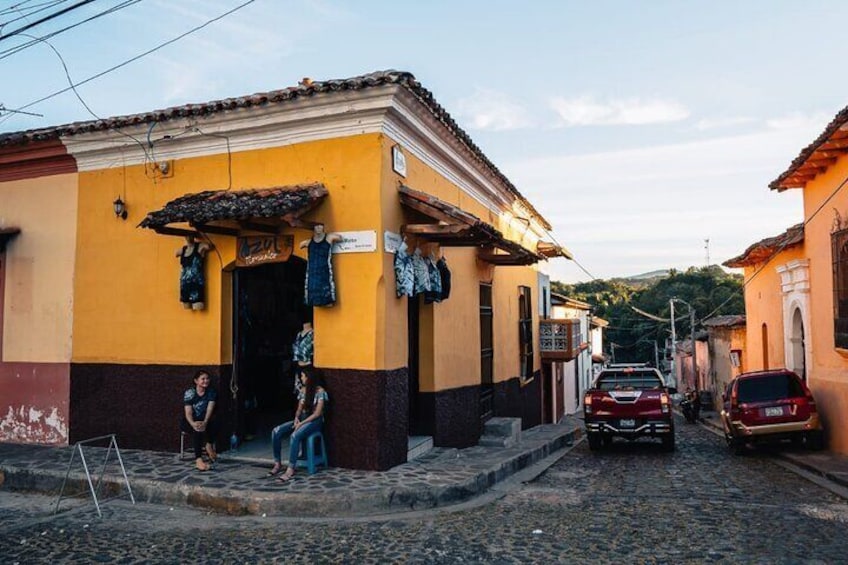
[[630, 503]]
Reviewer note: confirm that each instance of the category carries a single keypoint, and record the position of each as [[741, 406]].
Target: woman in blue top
[[308, 418], [197, 421]]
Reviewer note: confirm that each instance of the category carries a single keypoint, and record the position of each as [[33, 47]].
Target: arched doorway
[[798, 345]]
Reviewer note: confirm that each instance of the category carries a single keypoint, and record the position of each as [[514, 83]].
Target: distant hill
[[643, 280]]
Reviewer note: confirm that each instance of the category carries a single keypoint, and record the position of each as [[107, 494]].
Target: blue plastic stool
[[316, 453]]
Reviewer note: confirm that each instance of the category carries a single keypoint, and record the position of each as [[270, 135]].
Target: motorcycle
[[691, 407]]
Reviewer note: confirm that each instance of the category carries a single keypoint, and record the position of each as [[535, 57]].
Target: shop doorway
[[417, 425], [269, 312]]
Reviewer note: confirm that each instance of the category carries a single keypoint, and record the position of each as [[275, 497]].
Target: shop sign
[[391, 241], [356, 242], [258, 249]]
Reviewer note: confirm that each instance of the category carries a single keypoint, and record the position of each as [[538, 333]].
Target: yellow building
[[99, 337], [796, 294]]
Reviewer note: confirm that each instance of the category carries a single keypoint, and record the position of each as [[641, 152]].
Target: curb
[[341, 504]]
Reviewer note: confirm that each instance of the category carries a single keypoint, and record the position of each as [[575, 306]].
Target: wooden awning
[[236, 212], [551, 250], [454, 227], [7, 235]]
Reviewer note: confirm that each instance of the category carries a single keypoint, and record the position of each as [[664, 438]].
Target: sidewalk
[[825, 464], [441, 477]]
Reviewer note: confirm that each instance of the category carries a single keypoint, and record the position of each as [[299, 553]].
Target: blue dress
[[192, 279], [320, 289]]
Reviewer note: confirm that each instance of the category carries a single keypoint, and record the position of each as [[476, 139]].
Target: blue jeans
[[298, 438]]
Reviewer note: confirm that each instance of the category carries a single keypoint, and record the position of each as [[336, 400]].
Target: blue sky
[[639, 129]]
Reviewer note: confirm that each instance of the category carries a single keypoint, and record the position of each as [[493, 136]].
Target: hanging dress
[[319, 288], [192, 279], [445, 273], [404, 274], [421, 273], [435, 292]]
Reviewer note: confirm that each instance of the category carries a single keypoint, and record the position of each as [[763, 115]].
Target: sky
[[639, 130]]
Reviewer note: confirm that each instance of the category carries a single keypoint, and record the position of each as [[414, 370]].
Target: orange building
[[796, 294], [96, 337]]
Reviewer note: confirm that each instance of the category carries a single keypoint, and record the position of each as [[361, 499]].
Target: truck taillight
[[811, 402], [587, 404], [664, 402]]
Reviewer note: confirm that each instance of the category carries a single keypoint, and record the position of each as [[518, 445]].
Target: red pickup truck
[[628, 402]]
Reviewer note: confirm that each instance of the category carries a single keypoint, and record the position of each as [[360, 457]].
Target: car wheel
[[815, 440], [594, 441], [668, 442]]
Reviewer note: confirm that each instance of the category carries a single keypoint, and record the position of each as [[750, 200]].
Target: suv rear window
[[635, 379], [768, 387]]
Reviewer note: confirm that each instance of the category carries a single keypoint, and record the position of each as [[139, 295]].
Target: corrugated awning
[[456, 228], [7, 235], [232, 212]]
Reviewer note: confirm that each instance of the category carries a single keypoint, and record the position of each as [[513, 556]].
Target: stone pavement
[[441, 477], [825, 464]]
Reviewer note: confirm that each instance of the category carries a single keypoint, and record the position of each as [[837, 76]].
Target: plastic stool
[[316, 453]]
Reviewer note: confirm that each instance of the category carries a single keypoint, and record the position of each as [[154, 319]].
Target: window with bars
[[525, 332], [839, 250]]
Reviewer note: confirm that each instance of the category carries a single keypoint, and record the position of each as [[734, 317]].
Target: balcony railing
[[560, 339]]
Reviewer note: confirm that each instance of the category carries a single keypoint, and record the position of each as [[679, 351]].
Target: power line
[[18, 48], [133, 59], [18, 9], [54, 15], [781, 248]]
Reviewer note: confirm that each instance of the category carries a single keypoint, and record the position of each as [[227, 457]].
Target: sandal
[[202, 466], [275, 470], [210, 452], [287, 476]]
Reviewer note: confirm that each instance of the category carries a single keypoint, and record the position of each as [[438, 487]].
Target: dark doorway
[[416, 426], [547, 394], [269, 312], [487, 353]]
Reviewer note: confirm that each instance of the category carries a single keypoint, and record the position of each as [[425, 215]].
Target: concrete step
[[501, 432], [418, 446]]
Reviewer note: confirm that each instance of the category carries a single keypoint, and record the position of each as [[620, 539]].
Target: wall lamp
[[120, 208]]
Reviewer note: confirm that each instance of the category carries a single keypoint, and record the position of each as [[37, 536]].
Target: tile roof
[[817, 157], [217, 205], [304, 90], [764, 249], [727, 321]]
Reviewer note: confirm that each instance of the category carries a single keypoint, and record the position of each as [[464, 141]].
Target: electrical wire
[[18, 48], [135, 58], [17, 8], [781, 248], [52, 16]]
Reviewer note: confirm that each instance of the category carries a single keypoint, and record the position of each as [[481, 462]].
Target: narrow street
[[630, 503]]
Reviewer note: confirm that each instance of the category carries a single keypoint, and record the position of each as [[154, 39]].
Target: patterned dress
[[404, 274], [320, 288], [192, 278]]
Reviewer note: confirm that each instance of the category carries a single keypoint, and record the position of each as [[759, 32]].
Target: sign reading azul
[[257, 249]]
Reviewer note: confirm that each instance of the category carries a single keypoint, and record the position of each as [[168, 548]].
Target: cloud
[[492, 110], [636, 210], [706, 124], [797, 120], [586, 111]]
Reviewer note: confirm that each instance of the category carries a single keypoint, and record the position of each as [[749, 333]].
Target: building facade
[[97, 337]]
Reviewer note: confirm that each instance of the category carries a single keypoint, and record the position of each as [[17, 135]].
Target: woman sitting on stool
[[199, 403], [308, 418]]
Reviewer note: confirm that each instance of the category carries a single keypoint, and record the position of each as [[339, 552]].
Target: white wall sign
[[391, 241], [398, 161], [356, 242]]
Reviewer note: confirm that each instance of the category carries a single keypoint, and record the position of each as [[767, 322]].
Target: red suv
[[768, 406]]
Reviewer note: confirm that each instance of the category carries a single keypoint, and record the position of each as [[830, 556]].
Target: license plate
[[774, 411], [627, 423]]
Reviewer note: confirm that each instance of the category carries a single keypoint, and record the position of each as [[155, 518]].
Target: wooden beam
[[262, 228], [207, 228], [182, 232]]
